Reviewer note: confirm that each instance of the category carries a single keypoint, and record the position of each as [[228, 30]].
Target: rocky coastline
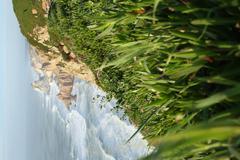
[[57, 62]]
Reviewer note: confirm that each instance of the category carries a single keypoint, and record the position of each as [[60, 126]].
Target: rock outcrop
[[52, 65], [41, 34], [34, 11]]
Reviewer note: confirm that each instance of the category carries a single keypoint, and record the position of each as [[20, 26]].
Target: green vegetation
[[28, 21], [172, 64]]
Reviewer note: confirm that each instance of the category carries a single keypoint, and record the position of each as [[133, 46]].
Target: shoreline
[[52, 65], [91, 121]]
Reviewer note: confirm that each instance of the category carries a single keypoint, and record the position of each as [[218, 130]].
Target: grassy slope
[[28, 21]]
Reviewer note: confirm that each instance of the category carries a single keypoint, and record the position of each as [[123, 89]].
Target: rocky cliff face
[[52, 64]]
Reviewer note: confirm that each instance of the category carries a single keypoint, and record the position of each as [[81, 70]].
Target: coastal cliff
[[64, 72], [54, 60]]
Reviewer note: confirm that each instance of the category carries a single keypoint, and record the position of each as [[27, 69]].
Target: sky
[[11, 45], [1, 75], [1, 51], [2, 44], [16, 94]]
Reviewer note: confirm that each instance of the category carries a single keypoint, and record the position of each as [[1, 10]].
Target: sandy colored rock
[[38, 66], [45, 5], [41, 34], [61, 43], [53, 65], [65, 50], [54, 49], [49, 74], [65, 81], [34, 11], [72, 55]]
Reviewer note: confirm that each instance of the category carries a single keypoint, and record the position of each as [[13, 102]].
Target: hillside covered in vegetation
[[173, 65]]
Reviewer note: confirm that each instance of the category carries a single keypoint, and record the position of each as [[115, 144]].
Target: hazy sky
[[12, 44], [16, 94], [1, 50], [2, 35], [2, 4]]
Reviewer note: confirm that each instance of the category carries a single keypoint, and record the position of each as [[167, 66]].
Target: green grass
[[173, 66], [28, 21]]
